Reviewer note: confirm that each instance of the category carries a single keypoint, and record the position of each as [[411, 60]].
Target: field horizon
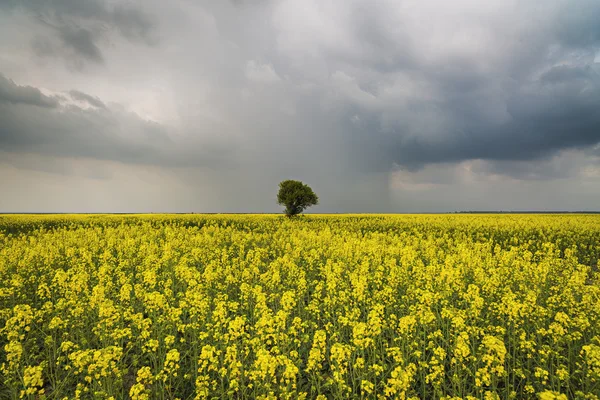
[[305, 213]]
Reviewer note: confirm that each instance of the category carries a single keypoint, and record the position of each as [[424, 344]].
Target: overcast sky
[[380, 106]]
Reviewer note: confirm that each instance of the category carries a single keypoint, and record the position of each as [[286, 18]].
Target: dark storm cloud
[[496, 103], [10, 92], [80, 26], [558, 111]]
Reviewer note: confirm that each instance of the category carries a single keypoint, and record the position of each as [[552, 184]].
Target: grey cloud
[[86, 9], [134, 24], [81, 41], [99, 133], [564, 165], [80, 26], [382, 43], [335, 93], [470, 110], [567, 74], [577, 23], [84, 97], [10, 92]]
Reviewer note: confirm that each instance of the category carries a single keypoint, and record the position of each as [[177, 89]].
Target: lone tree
[[296, 197]]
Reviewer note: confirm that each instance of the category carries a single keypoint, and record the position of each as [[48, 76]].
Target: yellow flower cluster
[[318, 307], [33, 381]]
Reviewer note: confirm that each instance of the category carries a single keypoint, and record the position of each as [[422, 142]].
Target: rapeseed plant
[[327, 307]]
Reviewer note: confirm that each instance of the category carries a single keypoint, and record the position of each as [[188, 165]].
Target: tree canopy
[[295, 196]]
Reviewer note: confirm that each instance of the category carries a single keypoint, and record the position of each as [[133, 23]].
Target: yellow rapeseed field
[[321, 307]]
